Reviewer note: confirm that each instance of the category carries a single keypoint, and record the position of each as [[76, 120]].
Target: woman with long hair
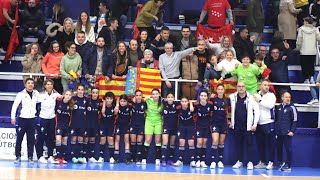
[[220, 49], [65, 34], [84, 24], [121, 60]]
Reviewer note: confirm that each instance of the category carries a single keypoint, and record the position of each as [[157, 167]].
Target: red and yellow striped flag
[[229, 86], [117, 86]]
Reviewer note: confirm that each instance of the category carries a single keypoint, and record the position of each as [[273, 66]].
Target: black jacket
[[106, 34], [62, 38], [84, 48], [279, 69], [32, 18], [242, 47], [89, 63]]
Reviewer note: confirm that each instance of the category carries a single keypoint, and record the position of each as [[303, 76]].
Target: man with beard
[[97, 61]]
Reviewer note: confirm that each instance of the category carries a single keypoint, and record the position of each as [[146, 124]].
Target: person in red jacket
[[148, 61]]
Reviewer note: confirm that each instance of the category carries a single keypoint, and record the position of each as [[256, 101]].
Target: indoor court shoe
[[112, 161], [75, 160], [138, 162], [30, 161], [220, 164], [51, 160], [93, 160], [178, 163], [42, 160], [260, 165], [198, 164], [203, 164], [157, 161], [18, 160], [144, 161], [237, 165], [84, 160], [313, 102], [250, 165], [286, 167], [281, 165], [269, 166], [63, 161], [100, 160], [163, 163], [80, 160], [213, 165], [193, 163]]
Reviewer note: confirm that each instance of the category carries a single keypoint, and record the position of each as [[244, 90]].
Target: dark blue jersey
[[138, 114], [219, 115], [203, 114], [185, 117], [108, 118], [124, 114], [170, 116], [62, 114], [78, 115], [92, 112]]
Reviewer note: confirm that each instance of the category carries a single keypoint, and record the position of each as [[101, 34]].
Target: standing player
[[107, 125], [28, 98], [286, 123], [185, 132], [123, 109], [153, 125], [63, 110], [94, 105], [137, 126], [77, 127], [265, 130], [219, 126], [47, 125], [170, 118], [203, 110]]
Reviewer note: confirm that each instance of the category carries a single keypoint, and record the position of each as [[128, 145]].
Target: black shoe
[[17, 161], [286, 167]]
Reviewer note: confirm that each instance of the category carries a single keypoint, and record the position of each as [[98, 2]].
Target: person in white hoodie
[[244, 119], [265, 130], [27, 118], [307, 39]]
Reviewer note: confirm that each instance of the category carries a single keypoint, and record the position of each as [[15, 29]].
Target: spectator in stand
[[147, 15], [255, 19], [287, 22], [244, 45], [262, 51], [83, 45], [148, 61], [184, 39], [5, 9], [210, 72], [169, 64], [315, 92], [51, 65], [220, 49], [143, 40], [216, 10], [202, 55], [279, 43], [31, 63], [304, 5], [97, 61], [84, 24], [109, 34], [315, 12], [307, 41], [32, 22], [227, 65], [135, 53], [279, 71], [103, 16], [121, 61], [65, 34], [157, 45], [58, 13], [70, 62]]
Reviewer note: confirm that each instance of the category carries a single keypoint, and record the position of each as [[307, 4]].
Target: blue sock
[[139, 151], [199, 153], [171, 152], [127, 154], [79, 150], [133, 149], [91, 152], [73, 149], [116, 155], [63, 150], [203, 157]]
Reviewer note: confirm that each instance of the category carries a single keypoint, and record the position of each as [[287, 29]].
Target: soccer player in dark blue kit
[[93, 109], [107, 127], [63, 109], [219, 126], [285, 126], [170, 120], [203, 110], [137, 126], [186, 128], [123, 109], [77, 127]]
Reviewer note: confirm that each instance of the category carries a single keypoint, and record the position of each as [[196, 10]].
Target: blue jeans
[[165, 90], [314, 92]]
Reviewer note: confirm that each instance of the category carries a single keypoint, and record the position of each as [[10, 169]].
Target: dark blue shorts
[[185, 132], [122, 129], [169, 131], [91, 132], [62, 131], [203, 132], [107, 131], [78, 132], [220, 128], [137, 130]]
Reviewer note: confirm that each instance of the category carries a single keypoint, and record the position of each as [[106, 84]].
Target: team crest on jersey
[[178, 133], [165, 111], [142, 106], [59, 111], [208, 109], [189, 113], [173, 105], [58, 131], [199, 114], [75, 106], [285, 111], [89, 109]]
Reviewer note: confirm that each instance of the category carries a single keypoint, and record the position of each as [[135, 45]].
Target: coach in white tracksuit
[[244, 118], [265, 130]]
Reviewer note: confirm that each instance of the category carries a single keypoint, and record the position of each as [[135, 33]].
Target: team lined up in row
[[85, 119]]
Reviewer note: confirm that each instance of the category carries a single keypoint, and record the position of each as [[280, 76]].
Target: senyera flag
[[117, 86], [144, 79], [213, 35], [14, 40]]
